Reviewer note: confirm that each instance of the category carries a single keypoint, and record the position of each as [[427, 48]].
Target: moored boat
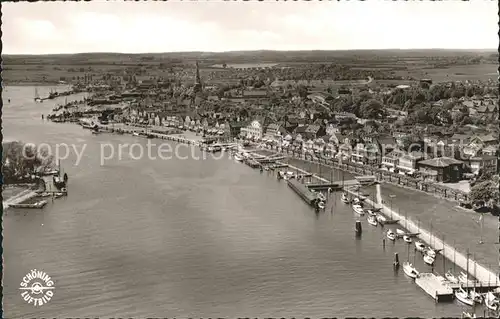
[[391, 235], [420, 246], [372, 220], [468, 315], [381, 219], [358, 209], [451, 277], [372, 211], [400, 232], [321, 205], [238, 157], [407, 239], [428, 260], [463, 278], [491, 301], [431, 252], [409, 270], [464, 297], [345, 198], [476, 296]]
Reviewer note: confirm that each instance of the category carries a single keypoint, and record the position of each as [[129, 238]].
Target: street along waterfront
[[190, 237]]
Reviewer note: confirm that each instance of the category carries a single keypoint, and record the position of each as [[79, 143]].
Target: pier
[[434, 287], [334, 185], [302, 190]]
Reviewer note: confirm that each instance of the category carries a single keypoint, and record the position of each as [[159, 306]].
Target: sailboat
[[321, 205], [451, 277], [491, 301], [358, 209], [468, 315], [345, 198], [477, 297], [372, 220], [428, 260], [464, 297], [409, 270], [58, 180], [391, 235], [407, 239], [37, 96], [420, 246], [431, 252]]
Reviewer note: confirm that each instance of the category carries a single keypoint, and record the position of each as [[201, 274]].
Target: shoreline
[[482, 273]]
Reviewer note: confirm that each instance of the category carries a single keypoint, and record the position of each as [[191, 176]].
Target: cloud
[[69, 27]]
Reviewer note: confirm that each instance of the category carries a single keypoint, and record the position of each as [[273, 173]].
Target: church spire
[[197, 83]]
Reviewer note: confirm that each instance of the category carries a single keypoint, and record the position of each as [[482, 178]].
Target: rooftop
[[440, 162]]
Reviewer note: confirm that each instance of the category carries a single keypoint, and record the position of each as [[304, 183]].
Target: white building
[[253, 130]]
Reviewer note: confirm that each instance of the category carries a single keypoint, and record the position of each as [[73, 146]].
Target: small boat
[[135, 134], [238, 157], [431, 252], [371, 212], [358, 209], [266, 168], [345, 198], [400, 232], [381, 219], [468, 315], [372, 220], [321, 205], [463, 278], [321, 197], [428, 260], [409, 270], [356, 200], [407, 239], [476, 296], [491, 301], [391, 235], [420, 246], [464, 297], [451, 277]]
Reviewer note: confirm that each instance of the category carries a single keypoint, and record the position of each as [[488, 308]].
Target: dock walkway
[[486, 278], [302, 190], [434, 287]]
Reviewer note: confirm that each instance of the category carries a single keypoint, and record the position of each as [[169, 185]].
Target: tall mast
[[454, 253]]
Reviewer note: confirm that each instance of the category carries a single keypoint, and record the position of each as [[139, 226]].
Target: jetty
[[303, 191], [336, 186], [435, 287], [37, 205]]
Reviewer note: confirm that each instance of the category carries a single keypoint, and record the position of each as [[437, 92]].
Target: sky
[[215, 26]]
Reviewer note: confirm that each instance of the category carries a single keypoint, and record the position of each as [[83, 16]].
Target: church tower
[[197, 82]]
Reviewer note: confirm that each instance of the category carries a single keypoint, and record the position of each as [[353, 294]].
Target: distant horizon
[[260, 50]]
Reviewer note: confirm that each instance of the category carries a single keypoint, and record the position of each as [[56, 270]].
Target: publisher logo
[[37, 288]]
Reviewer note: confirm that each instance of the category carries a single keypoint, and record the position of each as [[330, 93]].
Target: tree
[[302, 91], [371, 109], [20, 161], [486, 192]]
